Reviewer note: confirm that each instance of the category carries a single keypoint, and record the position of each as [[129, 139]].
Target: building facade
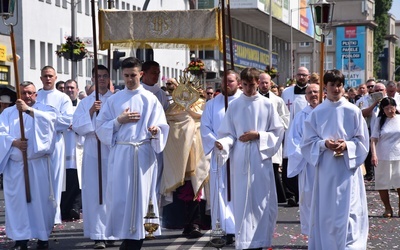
[[43, 26]]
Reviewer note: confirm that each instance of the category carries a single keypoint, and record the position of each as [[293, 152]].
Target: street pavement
[[383, 233]]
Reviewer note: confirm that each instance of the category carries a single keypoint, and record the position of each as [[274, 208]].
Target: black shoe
[[291, 202], [42, 244], [20, 245], [123, 245], [110, 243], [187, 230], [131, 244], [75, 215], [369, 177], [230, 239], [196, 232], [99, 244]]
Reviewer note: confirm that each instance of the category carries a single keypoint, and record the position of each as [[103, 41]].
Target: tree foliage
[[382, 8]]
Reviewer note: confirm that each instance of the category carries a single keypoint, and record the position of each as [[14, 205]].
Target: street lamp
[[322, 15], [7, 8], [291, 41]]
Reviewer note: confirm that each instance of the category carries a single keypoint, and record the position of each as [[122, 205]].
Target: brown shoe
[[387, 214]]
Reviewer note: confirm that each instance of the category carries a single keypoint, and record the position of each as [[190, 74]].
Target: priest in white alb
[[84, 124], [49, 95], [221, 208], [25, 221], [251, 133], [133, 124], [297, 165], [336, 142]]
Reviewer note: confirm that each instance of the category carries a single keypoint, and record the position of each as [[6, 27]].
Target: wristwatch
[[28, 111]]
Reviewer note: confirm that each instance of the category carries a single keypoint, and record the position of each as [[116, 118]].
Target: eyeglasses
[[370, 86], [378, 90], [169, 83], [209, 93]]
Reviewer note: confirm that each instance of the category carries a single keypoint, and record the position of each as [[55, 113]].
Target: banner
[[160, 29]]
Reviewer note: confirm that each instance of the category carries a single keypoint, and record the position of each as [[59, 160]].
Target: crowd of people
[[112, 155]]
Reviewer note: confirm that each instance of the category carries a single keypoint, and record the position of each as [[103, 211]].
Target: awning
[[160, 29]]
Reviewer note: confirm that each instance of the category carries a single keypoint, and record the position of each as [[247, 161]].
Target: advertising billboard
[[350, 56]]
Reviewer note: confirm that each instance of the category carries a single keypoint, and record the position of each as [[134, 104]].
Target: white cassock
[[283, 112], [297, 165], [62, 103], [165, 101], [35, 219], [72, 141], [255, 204], [161, 95], [295, 103], [133, 160], [94, 224], [339, 215], [211, 119]]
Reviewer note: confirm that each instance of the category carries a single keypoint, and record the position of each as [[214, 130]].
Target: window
[[117, 4], [58, 3], [329, 39], [128, 6], [48, 1], [32, 52], [80, 68], [50, 54], [42, 54], [89, 67], [100, 4], [133, 7], [64, 4], [123, 5], [305, 61], [329, 62], [304, 44], [87, 8], [59, 61], [79, 7], [66, 66]]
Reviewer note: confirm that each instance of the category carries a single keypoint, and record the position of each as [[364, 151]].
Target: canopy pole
[[96, 87]]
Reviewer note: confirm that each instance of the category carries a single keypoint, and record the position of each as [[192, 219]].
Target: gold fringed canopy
[[160, 29]]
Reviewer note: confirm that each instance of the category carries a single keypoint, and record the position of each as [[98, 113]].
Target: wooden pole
[[321, 68], [21, 120], [96, 87], [228, 7], [228, 169]]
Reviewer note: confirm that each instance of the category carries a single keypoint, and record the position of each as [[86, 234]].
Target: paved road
[[384, 233]]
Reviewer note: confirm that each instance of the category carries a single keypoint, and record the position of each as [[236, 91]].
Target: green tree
[[382, 8], [397, 63]]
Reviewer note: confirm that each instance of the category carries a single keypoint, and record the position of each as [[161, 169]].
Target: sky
[[395, 6]]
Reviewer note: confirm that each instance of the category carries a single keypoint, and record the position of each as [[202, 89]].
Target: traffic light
[[116, 59]]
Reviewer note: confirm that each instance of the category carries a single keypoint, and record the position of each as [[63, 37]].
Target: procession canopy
[[160, 29]]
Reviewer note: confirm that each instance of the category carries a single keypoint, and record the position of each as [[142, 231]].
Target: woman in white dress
[[385, 148]]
